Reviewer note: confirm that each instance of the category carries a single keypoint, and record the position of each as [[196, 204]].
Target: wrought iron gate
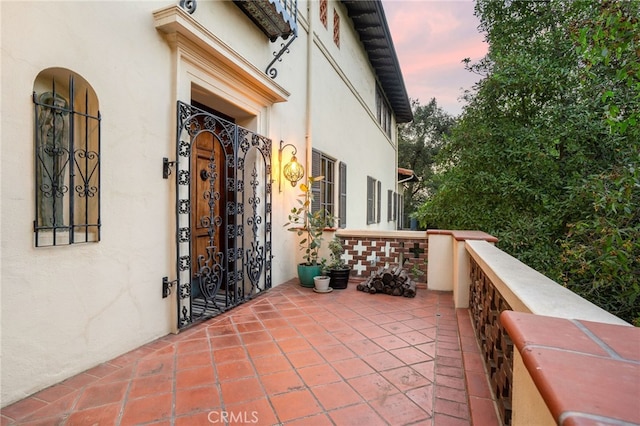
[[223, 210]]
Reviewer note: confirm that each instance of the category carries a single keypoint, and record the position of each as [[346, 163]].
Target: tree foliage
[[418, 144], [546, 153]]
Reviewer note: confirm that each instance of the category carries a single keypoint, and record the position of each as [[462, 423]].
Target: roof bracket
[[271, 71]]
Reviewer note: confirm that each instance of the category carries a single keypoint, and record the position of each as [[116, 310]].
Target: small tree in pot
[[337, 268], [308, 225]]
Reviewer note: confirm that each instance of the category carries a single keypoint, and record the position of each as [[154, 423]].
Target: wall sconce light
[[292, 171]]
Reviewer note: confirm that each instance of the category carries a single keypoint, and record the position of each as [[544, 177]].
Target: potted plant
[[337, 268], [322, 284], [308, 225]]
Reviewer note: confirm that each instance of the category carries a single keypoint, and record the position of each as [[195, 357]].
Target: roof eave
[[370, 23]]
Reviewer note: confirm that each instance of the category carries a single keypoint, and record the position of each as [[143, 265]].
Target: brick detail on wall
[[366, 254]]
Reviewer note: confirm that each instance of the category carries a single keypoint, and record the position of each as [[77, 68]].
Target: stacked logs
[[393, 280]]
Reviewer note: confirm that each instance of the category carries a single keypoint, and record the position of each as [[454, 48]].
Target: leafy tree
[[601, 249], [418, 144], [545, 154]]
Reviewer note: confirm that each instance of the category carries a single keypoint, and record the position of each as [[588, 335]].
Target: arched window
[[67, 159]]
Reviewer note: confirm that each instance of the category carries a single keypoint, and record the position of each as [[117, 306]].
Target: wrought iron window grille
[[67, 167]]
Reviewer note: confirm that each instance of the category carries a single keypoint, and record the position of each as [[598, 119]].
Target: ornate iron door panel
[[223, 214]]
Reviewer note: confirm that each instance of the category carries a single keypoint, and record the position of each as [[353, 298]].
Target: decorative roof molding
[[275, 18]]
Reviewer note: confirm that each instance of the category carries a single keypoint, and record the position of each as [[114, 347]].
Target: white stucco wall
[[66, 309], [345, 126]]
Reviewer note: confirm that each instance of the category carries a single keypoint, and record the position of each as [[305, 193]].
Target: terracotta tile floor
[[291, 356]]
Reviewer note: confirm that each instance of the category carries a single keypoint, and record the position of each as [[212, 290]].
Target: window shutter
[[395, 206], [400, 211], [342, 191], [379, 206], [370, 203], [316, 170], [389, 205]]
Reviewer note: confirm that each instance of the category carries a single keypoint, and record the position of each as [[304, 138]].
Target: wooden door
[[207, 219]]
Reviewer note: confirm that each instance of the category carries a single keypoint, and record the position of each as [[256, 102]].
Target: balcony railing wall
[[488, 281]]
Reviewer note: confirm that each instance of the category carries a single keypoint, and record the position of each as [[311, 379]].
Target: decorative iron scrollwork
[[226, 274], [184, 235], [284, 48], [184, 206], [184, 263], [210, 273], [183, 177], [184, 149], [189, 5], [255, 263], [67, 166]]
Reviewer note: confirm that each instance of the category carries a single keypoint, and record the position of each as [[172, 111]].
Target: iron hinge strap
[[166, 167], [166, 286]]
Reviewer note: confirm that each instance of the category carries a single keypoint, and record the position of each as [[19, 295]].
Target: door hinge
[[166, 286], [166, 167]]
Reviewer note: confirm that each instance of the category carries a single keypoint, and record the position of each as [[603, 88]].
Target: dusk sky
[[431, 38]]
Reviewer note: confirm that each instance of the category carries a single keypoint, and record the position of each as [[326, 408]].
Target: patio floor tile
[[319, 375], [372, 386], [334, 395], [289, 357], [357, 415]]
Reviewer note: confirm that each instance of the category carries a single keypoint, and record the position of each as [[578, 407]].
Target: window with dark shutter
[[316, 170], [379, 203], [400, 211], [371, 191], [395, 206], [342, 181], [383, 111], [324, 192]]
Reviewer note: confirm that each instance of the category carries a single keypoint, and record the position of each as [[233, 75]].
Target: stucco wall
[[65, 309], [348, 130], [69, 308]]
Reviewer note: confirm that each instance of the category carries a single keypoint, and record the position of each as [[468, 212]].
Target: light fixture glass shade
[[293, 171]]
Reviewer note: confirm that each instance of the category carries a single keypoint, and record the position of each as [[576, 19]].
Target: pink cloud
[[431, 39]]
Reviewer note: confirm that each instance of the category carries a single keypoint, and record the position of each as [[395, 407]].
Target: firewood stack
[[393, 280]]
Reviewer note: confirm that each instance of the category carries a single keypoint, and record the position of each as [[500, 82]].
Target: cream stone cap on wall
[[527, 290]]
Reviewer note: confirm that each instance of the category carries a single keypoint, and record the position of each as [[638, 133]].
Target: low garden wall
[[366, 251]]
